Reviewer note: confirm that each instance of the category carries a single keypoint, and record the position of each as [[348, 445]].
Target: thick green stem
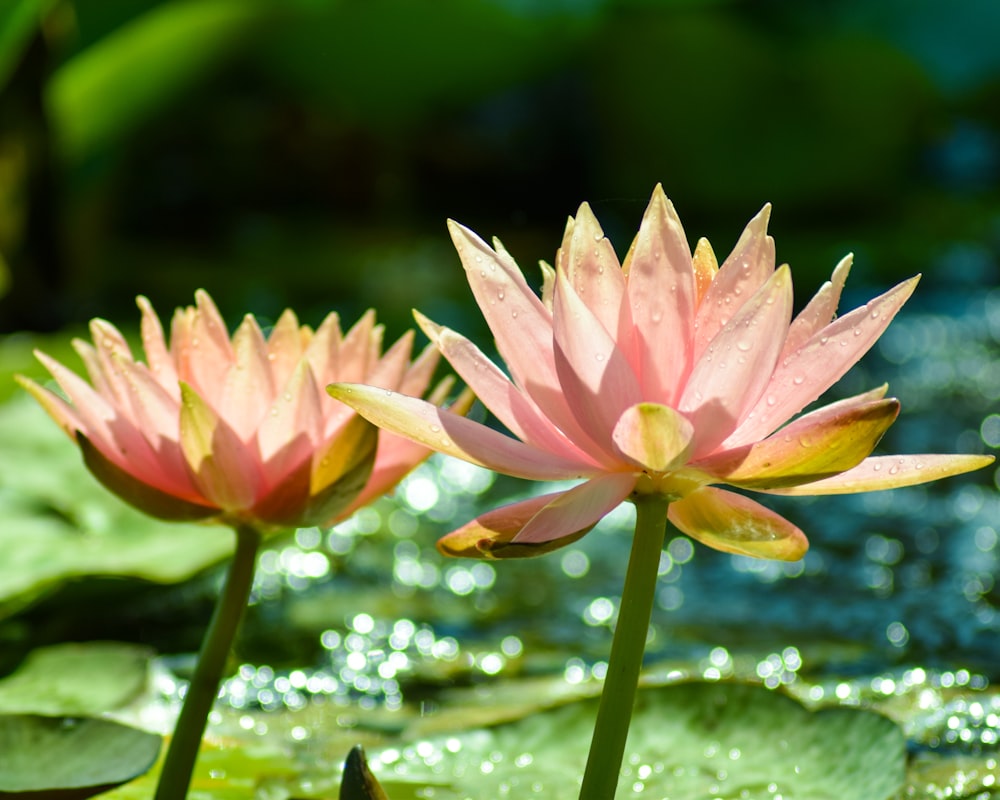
[[600, 779], [175, 777]]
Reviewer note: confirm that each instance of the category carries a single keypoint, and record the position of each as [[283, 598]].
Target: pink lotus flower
[[666, 374], [237, 429]]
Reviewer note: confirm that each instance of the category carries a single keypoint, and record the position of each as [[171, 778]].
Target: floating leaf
[[61, 758], [75, 679], [687, 742], [59, 523]]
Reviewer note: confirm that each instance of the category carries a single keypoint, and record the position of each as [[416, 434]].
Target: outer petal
[[819, 363], [654, 437], [736, 524], [735, 367], [816, 446], [890, 472], [211, 353], [491, 535], [579, 508], [249, 387], [819, 311], [661, 291], [740, 276], [284, 347], [516, 411], [449, 433], [137, 493]]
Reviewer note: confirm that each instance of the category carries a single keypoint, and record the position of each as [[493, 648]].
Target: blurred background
[[308, 152]]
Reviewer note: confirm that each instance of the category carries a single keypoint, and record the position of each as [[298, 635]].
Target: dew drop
[[288, 397], [798, 380], [893, 469], [435, 429], [744, 346], [274, 411], [513, 314], [876, 467], [875, 313], [857, 331], [919, 465], [772, 400], [823, 340], [479, 259], [500, 294], [599, 356]]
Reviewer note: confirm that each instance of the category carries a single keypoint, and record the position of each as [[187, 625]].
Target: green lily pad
[[75, 679], [60, 524], [687, 742], [61, 758]]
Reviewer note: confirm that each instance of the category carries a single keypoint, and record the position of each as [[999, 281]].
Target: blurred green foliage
[[306, 153]]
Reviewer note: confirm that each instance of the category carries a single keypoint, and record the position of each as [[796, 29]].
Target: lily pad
[[75, 679], [60, 524], [687, 742], [61, 758]]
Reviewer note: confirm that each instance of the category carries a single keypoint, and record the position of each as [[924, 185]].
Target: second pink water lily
[[665, 374]]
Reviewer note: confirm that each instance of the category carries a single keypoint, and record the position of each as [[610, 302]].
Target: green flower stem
[[600, 778], [175, 777]]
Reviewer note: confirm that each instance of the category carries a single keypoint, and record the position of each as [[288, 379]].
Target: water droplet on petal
[[771, 400], [744, 346], [599, 356], [876, 467], [857, 331], [435, 429], [798, 380]]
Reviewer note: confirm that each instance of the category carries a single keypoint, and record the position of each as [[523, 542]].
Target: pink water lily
[[237, 429], [666, 374]]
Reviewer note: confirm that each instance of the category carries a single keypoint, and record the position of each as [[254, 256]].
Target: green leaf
[[61, 758], [59, 523], [694, 741], [110, 88], [75, 679]]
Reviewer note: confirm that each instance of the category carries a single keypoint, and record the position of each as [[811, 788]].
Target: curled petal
[[449, 433], [816, 446], [890, 472], [736, 524], [491, 535], [654, 437], [137, 493], [579, 508]]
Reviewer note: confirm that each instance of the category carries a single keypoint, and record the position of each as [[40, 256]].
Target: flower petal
[[735, 367], [589, 262], [890, 472], [578, 509], [706, 267], [507, 403], [736, 524], [828, 441], [661, 292], [223, 468], [293, 427], [819, 311], [653, 436], [449, 433], [595, 375], [210, 353], [491, 535], [161, 363], [746, 269], [138, 493], [812, 369], [285, 347], [249, 386]]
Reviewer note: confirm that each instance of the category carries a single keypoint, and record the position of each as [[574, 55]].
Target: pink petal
[[449, 433], [890, 472], [92, 411], [827, 441], [61, 412], [591, 266], [654, 437], [249, 387], [819, 311], [516, 411], [548, 283], [420, 372], [285, 347], [748, 267], [596, 377], [158, 357], [522, 327], [661, 292], [211, 352], [491, 535], [735, 367], [224, 469], [736, 524], [103, 362], [803, 376], [579, 508], [389, 370], [292, 427], [323, 350]]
